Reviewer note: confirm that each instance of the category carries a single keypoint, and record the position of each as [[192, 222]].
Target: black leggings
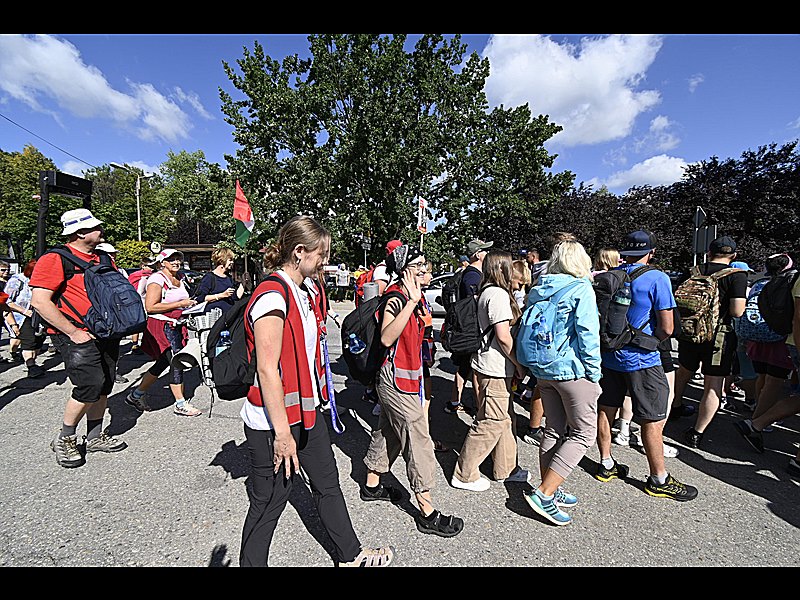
[[175, 338]]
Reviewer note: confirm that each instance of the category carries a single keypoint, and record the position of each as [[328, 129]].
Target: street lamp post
[[138, 187]]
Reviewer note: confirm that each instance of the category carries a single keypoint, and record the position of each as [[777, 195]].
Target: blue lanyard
[[338, 426]]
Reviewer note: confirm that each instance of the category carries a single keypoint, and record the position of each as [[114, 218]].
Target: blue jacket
[[576, 331]]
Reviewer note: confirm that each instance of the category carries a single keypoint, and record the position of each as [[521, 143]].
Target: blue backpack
[[751, 326], [535, 339], [117, 310]]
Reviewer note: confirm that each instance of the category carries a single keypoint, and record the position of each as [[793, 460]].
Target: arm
[[394, 321], [268, 333], [42, 301], [502, 331], [153, 304], [204, 288], [382, 285], [587, 328], [665, 324], [737, 306]]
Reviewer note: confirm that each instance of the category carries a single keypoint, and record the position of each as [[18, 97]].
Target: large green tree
[[353, 134]]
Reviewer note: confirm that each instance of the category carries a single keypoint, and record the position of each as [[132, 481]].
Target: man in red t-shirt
[[91, 363]]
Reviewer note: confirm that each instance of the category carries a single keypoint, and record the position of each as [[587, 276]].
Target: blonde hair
[[497, 270], [220, 256], [297, 231], [571, 258], [522, 271], [606, 259]]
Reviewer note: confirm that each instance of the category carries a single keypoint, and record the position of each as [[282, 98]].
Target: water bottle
[[544, 334], [355, 345], [223, 342], [617, 318]]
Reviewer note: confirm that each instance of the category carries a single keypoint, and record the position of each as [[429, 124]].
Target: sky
[[635, 109]]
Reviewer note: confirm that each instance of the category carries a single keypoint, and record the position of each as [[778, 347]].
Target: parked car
[[433, 294]]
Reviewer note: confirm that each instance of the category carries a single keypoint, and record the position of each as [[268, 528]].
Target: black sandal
[[439, 524], [384, 492]]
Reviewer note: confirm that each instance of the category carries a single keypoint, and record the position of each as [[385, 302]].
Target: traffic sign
[[699, 217]]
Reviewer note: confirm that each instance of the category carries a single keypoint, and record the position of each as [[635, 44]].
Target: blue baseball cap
[[638, 243], [740, 264]]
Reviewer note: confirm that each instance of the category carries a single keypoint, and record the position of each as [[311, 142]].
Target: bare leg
[[653, 441], [550, 482], [537, 409], [605, 415], [709, 404], [682, 378], [771, 392]]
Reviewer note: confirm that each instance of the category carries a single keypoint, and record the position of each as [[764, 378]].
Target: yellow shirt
[[795, 294]]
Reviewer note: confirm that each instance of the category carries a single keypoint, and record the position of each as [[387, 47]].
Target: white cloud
[[73, 167], [194, 101], [655, 171], [696, 80], [39, 68], [795, 124], [660, 135], [588, 88]]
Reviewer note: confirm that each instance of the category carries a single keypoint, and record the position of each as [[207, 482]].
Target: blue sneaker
[[564, 499], [547, 508]]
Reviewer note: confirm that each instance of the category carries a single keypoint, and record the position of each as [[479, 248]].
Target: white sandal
[[372, 557]]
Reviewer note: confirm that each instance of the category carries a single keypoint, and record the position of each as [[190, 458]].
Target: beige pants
[[491, 432], [402, 429]]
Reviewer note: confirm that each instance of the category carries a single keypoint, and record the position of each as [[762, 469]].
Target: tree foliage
[[355, 133]]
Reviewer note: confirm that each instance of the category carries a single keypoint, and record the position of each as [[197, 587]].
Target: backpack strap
[[725, 272], [69, 261], [695, 270], [641, 271]]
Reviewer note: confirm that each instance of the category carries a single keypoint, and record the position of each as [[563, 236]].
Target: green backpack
[[699, 305]]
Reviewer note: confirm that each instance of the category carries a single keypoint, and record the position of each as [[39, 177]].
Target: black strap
[[641, 271]]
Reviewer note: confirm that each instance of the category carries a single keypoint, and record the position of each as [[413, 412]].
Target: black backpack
[[116, 311], [364, 322], [461, 333], [232, 370], [775, 302], [605, 286], [450, 290]]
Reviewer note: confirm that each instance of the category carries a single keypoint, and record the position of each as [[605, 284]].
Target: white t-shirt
[[343, 277], [381, 274], [255, 417], [494, 306]]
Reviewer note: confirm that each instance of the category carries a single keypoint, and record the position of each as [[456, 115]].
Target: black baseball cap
[[722, 245], [638, 243]]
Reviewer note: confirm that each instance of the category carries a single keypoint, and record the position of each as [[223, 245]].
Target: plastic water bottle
[[223, 342], [355, 345], [544, 334], [617, 318]]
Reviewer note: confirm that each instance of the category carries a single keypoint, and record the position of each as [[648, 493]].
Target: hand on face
[[412, 284]]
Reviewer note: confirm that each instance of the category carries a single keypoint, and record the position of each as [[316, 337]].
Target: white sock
[[624, 427], [608, 463]]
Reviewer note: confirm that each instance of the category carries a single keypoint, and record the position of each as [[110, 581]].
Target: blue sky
[[635, 109]]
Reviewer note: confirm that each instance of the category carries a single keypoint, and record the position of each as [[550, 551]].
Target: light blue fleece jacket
[[576, 331]]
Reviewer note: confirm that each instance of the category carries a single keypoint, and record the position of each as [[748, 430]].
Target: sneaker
[[371, 557], [66, 449], [136, 402], [383, 492], [793, 467], [669, 451], [479, 485], [618, 471], [622, 439], [534, 436], [692, 437], [187, 410], [684, 410], [104, 443], [672, 488], [547, 508], [564, 499], [518, 476], [750, 435], [120, 379], [438, 524], [452, 409], [376, 410], [35, 371], [727, 403], [615, 425]]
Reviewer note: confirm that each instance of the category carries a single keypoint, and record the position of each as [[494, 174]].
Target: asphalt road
[[177, 497]]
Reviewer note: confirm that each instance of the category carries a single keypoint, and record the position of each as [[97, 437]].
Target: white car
[[433, 294]]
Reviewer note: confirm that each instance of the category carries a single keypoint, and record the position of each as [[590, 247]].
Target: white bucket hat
[[106, 247], [77, 219]]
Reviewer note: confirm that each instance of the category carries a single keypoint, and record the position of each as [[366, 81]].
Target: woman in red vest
[[403, 424], [284, 325]]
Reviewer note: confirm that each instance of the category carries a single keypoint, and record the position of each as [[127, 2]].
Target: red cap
[[392, 245]]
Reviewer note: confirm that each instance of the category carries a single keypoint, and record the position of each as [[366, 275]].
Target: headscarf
[[400, 257]]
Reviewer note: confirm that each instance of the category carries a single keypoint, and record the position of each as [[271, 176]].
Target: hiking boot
[[692, 437], [66, 449], [383, 492], [35, 371], [136, 402], [564, 499], [547, 508], [371, 557], [481, 484], [534, 436], [672, 488], [618, 471], [104, 443], [452, 409], [750, 435], [684, 410]]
